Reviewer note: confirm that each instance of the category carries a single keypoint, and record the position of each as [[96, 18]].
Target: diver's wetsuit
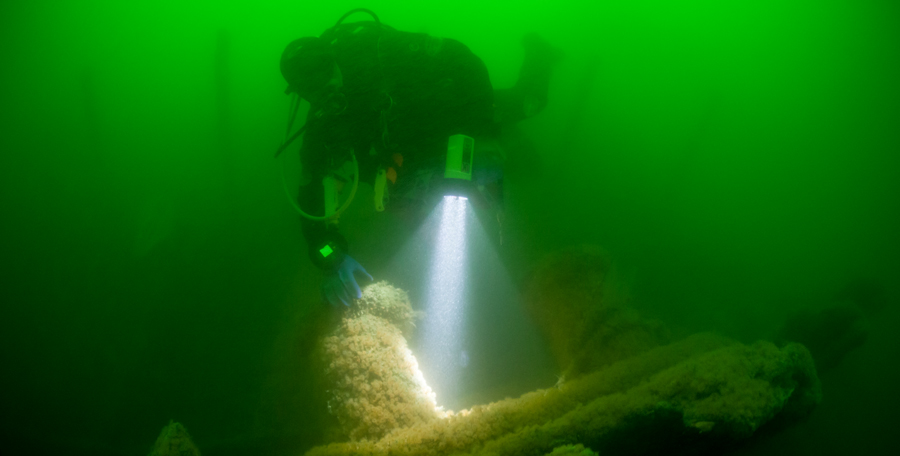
[[406, 94]]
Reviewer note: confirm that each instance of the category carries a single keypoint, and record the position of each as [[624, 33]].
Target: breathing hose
[[300, 131], [338, 212]]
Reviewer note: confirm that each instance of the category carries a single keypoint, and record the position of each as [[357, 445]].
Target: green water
[[739, 160]]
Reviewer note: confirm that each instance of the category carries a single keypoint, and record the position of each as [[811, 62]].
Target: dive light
[[458, 169], [460, 149]]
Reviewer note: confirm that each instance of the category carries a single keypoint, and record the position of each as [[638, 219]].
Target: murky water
[[737, 160]]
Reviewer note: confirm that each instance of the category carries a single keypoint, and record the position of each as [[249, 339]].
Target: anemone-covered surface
[[572, 450], [375, 384], [582, 306], [704, 392], [174, 440]]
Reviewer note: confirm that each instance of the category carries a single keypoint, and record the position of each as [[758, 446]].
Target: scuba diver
[[383, 105]]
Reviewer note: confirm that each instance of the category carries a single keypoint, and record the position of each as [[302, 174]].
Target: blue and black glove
[[340, 286]]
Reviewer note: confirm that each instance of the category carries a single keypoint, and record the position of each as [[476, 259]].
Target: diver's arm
[[325, 244], [328, 251]]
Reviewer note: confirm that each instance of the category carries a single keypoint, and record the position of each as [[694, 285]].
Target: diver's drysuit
[[401, 96], [406, 93]]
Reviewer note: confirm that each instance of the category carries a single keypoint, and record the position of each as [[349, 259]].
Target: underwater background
[[739, 161]]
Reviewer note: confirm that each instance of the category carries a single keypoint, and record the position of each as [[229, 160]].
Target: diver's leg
[[529, 96]]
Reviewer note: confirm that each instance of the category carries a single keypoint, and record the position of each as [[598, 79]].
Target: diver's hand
[[341, 285]]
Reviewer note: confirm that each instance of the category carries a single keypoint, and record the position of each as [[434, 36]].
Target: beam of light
[[474, 343], [444, 322]]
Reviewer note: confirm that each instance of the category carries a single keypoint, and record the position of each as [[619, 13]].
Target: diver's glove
[[340, 286]]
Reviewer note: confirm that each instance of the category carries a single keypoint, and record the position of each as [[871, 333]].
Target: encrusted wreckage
[[705, 391]]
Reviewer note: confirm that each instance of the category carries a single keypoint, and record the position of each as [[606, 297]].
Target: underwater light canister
[[460, 153], [331, 195], [380, 183]]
